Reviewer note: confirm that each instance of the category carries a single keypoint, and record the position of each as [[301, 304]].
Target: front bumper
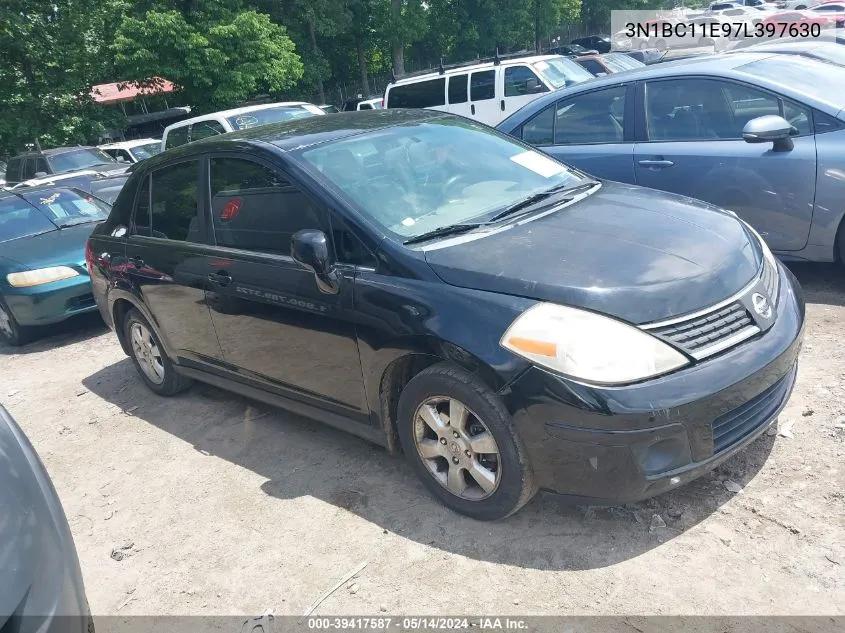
[[624, 444], [50, 303]]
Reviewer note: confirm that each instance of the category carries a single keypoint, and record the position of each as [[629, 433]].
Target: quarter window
[[592, 117], [253, 208], [520, 81], [458, 89], [169, 210], [421, 94], [482, 85]]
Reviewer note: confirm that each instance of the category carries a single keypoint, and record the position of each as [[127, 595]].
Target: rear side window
[[176, 137], [170, 207], [482, 85], [254, 208], [204, 129], [592, 117], [458, 89], [422, 94], [13, 170]]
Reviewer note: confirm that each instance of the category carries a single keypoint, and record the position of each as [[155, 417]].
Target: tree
[[50, 53], [402, 22], [217, 57]]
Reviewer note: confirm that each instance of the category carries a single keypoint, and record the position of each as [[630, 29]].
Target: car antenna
[[441, 69], [496, 60], [393, 75]]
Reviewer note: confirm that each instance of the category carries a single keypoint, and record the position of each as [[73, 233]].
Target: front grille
[[702, 334], [736, 425]]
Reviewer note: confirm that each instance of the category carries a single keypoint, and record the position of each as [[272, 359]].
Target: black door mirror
[[533, 86], [310, 249], [770, 129], [40, 174]]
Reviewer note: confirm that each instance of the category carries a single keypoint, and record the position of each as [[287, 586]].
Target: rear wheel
[[11, 332], [149, 357], [459, 439]]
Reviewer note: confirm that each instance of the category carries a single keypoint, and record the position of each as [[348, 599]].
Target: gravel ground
[[208, 503]]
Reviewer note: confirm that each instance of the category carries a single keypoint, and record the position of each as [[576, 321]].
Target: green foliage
[[215, 63]]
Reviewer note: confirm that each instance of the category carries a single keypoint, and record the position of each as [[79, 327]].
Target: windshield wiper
[[77, 222], [450, 229], [539, 197]]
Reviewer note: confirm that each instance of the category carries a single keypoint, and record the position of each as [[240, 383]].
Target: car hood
[[637, 254], [62, 247]]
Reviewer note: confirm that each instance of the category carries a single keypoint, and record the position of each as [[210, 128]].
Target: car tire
[[477, 464], [149, 357], [11, 332]]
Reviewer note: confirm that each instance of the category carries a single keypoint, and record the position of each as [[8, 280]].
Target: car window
[[205, 129], [421, 94], [82, 158], [28, 169], [254, 208], [592, 117], [592, 65], [172, 207], [482, 85], [13, 170], [176, 137], [800, 117], [825, 123], [540, 130], [458, 89], [19, 219], [697, 109], [520, 81], [349, 249], [141, 213], [412, 179], [560, 72], [275, 114]]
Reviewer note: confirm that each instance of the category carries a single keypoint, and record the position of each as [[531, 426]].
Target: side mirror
[[770, 129], [310, 249], [532, 86], [40, 174], [120, 159]]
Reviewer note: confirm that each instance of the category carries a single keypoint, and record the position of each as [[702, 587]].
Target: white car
[[200, 127], [488, 91], [356, 105], [132, 151]]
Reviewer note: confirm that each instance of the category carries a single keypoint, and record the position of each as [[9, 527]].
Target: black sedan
[[437, 287]]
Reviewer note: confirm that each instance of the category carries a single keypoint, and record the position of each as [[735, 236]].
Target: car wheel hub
[[457, 449], [147, 353], [6, 324]]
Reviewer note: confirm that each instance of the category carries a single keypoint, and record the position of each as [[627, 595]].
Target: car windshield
[[815, 79], [20, 219], [618, 62], [415, 178], [561, 72], [142, 152], [82, 158], [269, 115], [66, 207]]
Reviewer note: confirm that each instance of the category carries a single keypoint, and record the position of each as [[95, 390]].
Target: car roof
[[528, 59], [129, 144], [234, 112], [55, 151], [293, 135], [17, 193]]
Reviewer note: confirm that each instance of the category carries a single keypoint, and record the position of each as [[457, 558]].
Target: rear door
[[483, 105], [273, 322], [589, 130], [457, 92], [694, 147], [168, 260]]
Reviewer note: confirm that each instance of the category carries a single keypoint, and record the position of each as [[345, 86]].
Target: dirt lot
[[218, 505]]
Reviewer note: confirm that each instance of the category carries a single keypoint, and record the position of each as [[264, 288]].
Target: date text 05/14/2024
[[375, 624]]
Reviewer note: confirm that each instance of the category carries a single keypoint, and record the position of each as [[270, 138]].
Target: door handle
[[658, 164], [503, 105], [137, 262], [472, 108], [220, 279]]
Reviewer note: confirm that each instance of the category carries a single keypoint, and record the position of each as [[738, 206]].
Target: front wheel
[[149, 357], [458, 438], [12, 332]]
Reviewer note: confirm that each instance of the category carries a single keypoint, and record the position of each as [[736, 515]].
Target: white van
[[200, 127], [488, 91]]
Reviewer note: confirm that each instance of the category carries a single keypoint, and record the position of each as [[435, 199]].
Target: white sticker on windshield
[[538, 163], [541, 66], [409, 221]]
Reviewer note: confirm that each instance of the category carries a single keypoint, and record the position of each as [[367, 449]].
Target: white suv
[[487, 91], [200, 127]]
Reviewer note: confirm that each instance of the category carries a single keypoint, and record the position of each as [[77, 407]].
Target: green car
[[43, 275]]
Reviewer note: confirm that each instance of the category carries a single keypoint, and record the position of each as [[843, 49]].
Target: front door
[[695, 148], [168, 261], [274, 324], [519, 85]]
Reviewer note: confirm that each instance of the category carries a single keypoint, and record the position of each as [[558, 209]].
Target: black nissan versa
[[430, 284]]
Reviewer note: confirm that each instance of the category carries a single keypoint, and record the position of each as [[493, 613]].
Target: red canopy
[[125, 91]]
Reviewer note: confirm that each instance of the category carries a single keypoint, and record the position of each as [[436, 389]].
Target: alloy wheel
[[147, 353], [457, 448]]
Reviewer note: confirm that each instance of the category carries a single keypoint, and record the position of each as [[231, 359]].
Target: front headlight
[[41, 276], [588, 346]]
